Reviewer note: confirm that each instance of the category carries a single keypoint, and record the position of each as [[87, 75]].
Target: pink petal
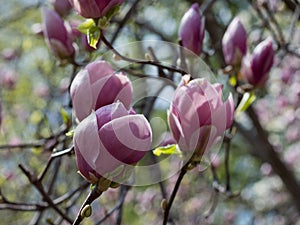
[[132, 131], [229, 111], [87, 140], [81, 94]]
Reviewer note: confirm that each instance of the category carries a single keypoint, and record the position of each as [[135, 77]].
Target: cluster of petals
[[198, 115], [110, 141], [98, 85]]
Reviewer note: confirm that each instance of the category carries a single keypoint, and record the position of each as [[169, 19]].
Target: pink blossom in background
[[191, 29], [56, 35], [8, 78], [234, 42]]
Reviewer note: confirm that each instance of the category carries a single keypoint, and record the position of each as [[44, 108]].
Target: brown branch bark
[[262, 148]]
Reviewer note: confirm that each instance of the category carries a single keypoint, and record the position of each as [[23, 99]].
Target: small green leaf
[[86, 26], [166, 150], [247, 100], [70, 133], [93, 36]]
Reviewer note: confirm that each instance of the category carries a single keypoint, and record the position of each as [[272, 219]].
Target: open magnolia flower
[[110, 141], [198, 115], [98, 85]]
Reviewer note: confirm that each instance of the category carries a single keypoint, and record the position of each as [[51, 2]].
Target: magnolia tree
[[136, 112]]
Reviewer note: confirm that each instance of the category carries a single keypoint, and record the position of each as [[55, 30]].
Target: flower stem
[[173, 195], [93, 195]]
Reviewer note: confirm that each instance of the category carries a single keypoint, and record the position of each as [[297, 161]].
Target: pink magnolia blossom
[[256, 67], [234, 42], [111, 138], [94, 8], [98, 85], [191, 29], [198, 114], [56, 35], [8, 78]]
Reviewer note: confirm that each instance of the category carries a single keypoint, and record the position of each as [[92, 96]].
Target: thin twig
[[119, 204], [276, 25], [70, 194], [122, 194], [144, 62], [122, 23], [265, 22], [38, 185], [45, 170], [227, 152], [35, 144], [93, 195], [183, 171], [294, 23], [63, 152]]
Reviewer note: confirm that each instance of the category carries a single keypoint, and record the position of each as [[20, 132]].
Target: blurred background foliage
[[34, 94]]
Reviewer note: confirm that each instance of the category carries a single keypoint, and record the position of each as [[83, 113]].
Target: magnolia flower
[[98, 85], [109, 139], [191, 29], [257, 66], [234, 42], [94, 8], [198, 115], [56, 35]]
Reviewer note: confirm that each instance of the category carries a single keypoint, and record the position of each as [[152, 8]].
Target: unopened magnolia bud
[[256, 67], [86, 211], [56, 35], [191, 29], [234, 42]]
